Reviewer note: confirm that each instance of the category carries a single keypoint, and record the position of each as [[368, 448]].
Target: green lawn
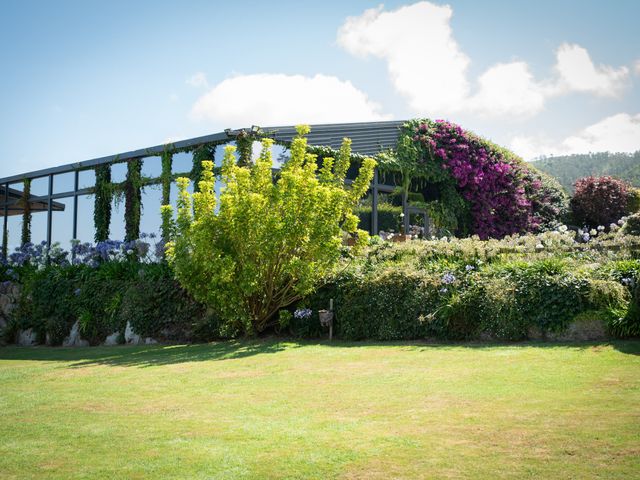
[[301, 410]]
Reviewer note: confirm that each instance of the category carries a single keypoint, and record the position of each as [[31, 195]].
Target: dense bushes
[[601, 201], [103, 299], [518, 288]]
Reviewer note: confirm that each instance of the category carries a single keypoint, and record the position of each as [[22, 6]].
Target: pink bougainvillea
[[504, 195]]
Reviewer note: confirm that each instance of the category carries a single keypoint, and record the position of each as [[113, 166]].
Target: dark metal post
[[5, 234], [75, 204], [49, 210], [405, 211], [374, 204]]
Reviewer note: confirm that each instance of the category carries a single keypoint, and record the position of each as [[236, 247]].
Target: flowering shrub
[[600, 201], [503, 194], [505, 289], [270, 242]]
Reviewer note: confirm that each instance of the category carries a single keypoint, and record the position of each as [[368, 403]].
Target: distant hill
[[567, 169]]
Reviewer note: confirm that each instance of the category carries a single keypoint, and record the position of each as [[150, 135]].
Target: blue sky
[[85, 79]]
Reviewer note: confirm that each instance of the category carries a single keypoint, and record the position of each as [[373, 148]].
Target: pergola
[[368, 138]]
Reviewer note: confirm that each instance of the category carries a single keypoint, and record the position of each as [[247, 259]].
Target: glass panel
[[150, 220], [279, 154], [86, 230], [62, 222], [116, 227], [118, 172], [14, 228], [87, 179], [38, 226], [64, 182], [151, 167], [182, 162], [39, 186]]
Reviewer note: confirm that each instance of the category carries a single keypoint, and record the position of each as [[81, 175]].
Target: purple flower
[[448, 278], [303, 313]]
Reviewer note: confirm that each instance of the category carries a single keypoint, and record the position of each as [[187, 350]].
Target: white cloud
[[423, 58], [508, 88], [427, 66], [198, 80], [275, 99], [617, 133], [578, 73]]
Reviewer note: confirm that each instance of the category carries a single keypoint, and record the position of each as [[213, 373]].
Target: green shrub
[[632, 225], [605, 294], [269, 243], [497, 306], [157, 307]]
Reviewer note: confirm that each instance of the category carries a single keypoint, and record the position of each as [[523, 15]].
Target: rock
[[150, 341], [582, 329], [27, 338], [130, 336], [112, 339], [74, 339]]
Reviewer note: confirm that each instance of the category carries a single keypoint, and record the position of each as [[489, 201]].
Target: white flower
[[562, 228], [593, 232], [601, 228], [539, 246]]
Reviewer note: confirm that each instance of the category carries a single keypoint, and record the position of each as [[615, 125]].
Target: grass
[[300, 410]]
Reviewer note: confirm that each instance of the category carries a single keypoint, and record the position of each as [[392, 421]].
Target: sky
[[84, 79]]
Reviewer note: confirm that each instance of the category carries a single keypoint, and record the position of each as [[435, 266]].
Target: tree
[[600, 201], [269, 242]]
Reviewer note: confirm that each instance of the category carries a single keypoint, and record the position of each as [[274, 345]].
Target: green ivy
[[244, 143], [102, 205], [203, 152], [165, 180], [133, 200]]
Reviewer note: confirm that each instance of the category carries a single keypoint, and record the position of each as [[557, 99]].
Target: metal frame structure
[[368, 138]]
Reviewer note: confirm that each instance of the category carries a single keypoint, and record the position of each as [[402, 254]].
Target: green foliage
[[632, 225], [47, 304], [157, 307], [133, 200], [625, 324], [102, 203], [633, 200], [200, 154], [165, 179], [103, 299], [567, 169], [26, 211], [269, 243]]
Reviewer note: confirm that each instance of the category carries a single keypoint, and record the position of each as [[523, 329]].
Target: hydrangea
[[448, 278], [303, 313]]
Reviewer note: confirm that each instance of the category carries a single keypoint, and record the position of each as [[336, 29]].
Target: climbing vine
[[165, 181], [244, 144], [133, 200], [203, 152], [26, 211], [102, 202]]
